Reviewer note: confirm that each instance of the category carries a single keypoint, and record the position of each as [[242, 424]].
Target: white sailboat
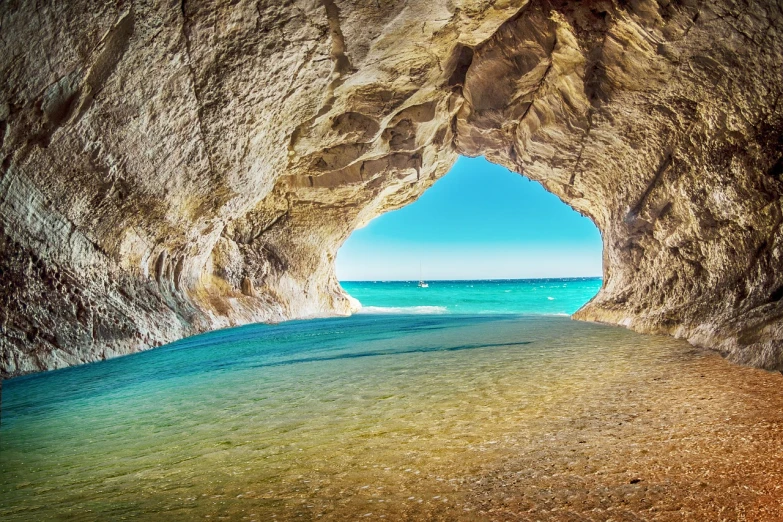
[[422, 284]]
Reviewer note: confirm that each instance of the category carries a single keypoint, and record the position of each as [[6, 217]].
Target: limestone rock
[[168, 168]]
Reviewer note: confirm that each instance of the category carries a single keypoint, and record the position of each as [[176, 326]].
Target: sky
[[479, 221]]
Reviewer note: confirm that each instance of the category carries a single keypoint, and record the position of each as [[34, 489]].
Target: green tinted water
[[381, 414]]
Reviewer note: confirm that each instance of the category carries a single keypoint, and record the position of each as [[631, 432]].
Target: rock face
[[168, 168]]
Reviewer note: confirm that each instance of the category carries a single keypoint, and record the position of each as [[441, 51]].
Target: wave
[[403, 310]]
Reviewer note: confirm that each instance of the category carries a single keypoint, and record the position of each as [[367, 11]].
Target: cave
[[173, 169]]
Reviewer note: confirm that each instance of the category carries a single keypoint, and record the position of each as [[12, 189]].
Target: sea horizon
[[564, 278]]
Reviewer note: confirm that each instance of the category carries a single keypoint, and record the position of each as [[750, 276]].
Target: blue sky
[[479, 221]]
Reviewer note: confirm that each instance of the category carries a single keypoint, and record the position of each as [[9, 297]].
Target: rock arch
[[167, 169]]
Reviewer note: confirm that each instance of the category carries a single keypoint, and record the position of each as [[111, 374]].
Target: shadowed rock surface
[[169, 169]]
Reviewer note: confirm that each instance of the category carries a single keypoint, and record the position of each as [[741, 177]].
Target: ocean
[[560, 296], [462, 401]]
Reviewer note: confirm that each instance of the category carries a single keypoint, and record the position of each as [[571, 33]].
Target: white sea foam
[[354, 304], [403, 310]]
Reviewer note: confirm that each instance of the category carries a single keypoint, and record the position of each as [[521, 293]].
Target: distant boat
[[422, 284]]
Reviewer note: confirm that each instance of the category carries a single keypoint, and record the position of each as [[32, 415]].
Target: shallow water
[[560, 296], [439, 417]]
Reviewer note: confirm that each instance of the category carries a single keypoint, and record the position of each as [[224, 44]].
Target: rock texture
[[169, 168]]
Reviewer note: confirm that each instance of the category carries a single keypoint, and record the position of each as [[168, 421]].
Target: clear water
[[395, 416], [519, 296]]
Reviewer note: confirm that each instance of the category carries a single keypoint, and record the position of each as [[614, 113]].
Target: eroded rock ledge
[[168, 169]]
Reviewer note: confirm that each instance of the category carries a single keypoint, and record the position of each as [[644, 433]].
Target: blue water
[[562, 296], [383, 416], [299, 419]]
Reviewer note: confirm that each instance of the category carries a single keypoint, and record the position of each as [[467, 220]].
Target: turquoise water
[[301, 419], [269, 411], [389, 416], [518, 296], [305, 418]]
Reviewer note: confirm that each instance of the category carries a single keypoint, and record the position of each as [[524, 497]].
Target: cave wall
[[173, 168]]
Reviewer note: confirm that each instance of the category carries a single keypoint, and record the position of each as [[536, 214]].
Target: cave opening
[[480, 224]]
